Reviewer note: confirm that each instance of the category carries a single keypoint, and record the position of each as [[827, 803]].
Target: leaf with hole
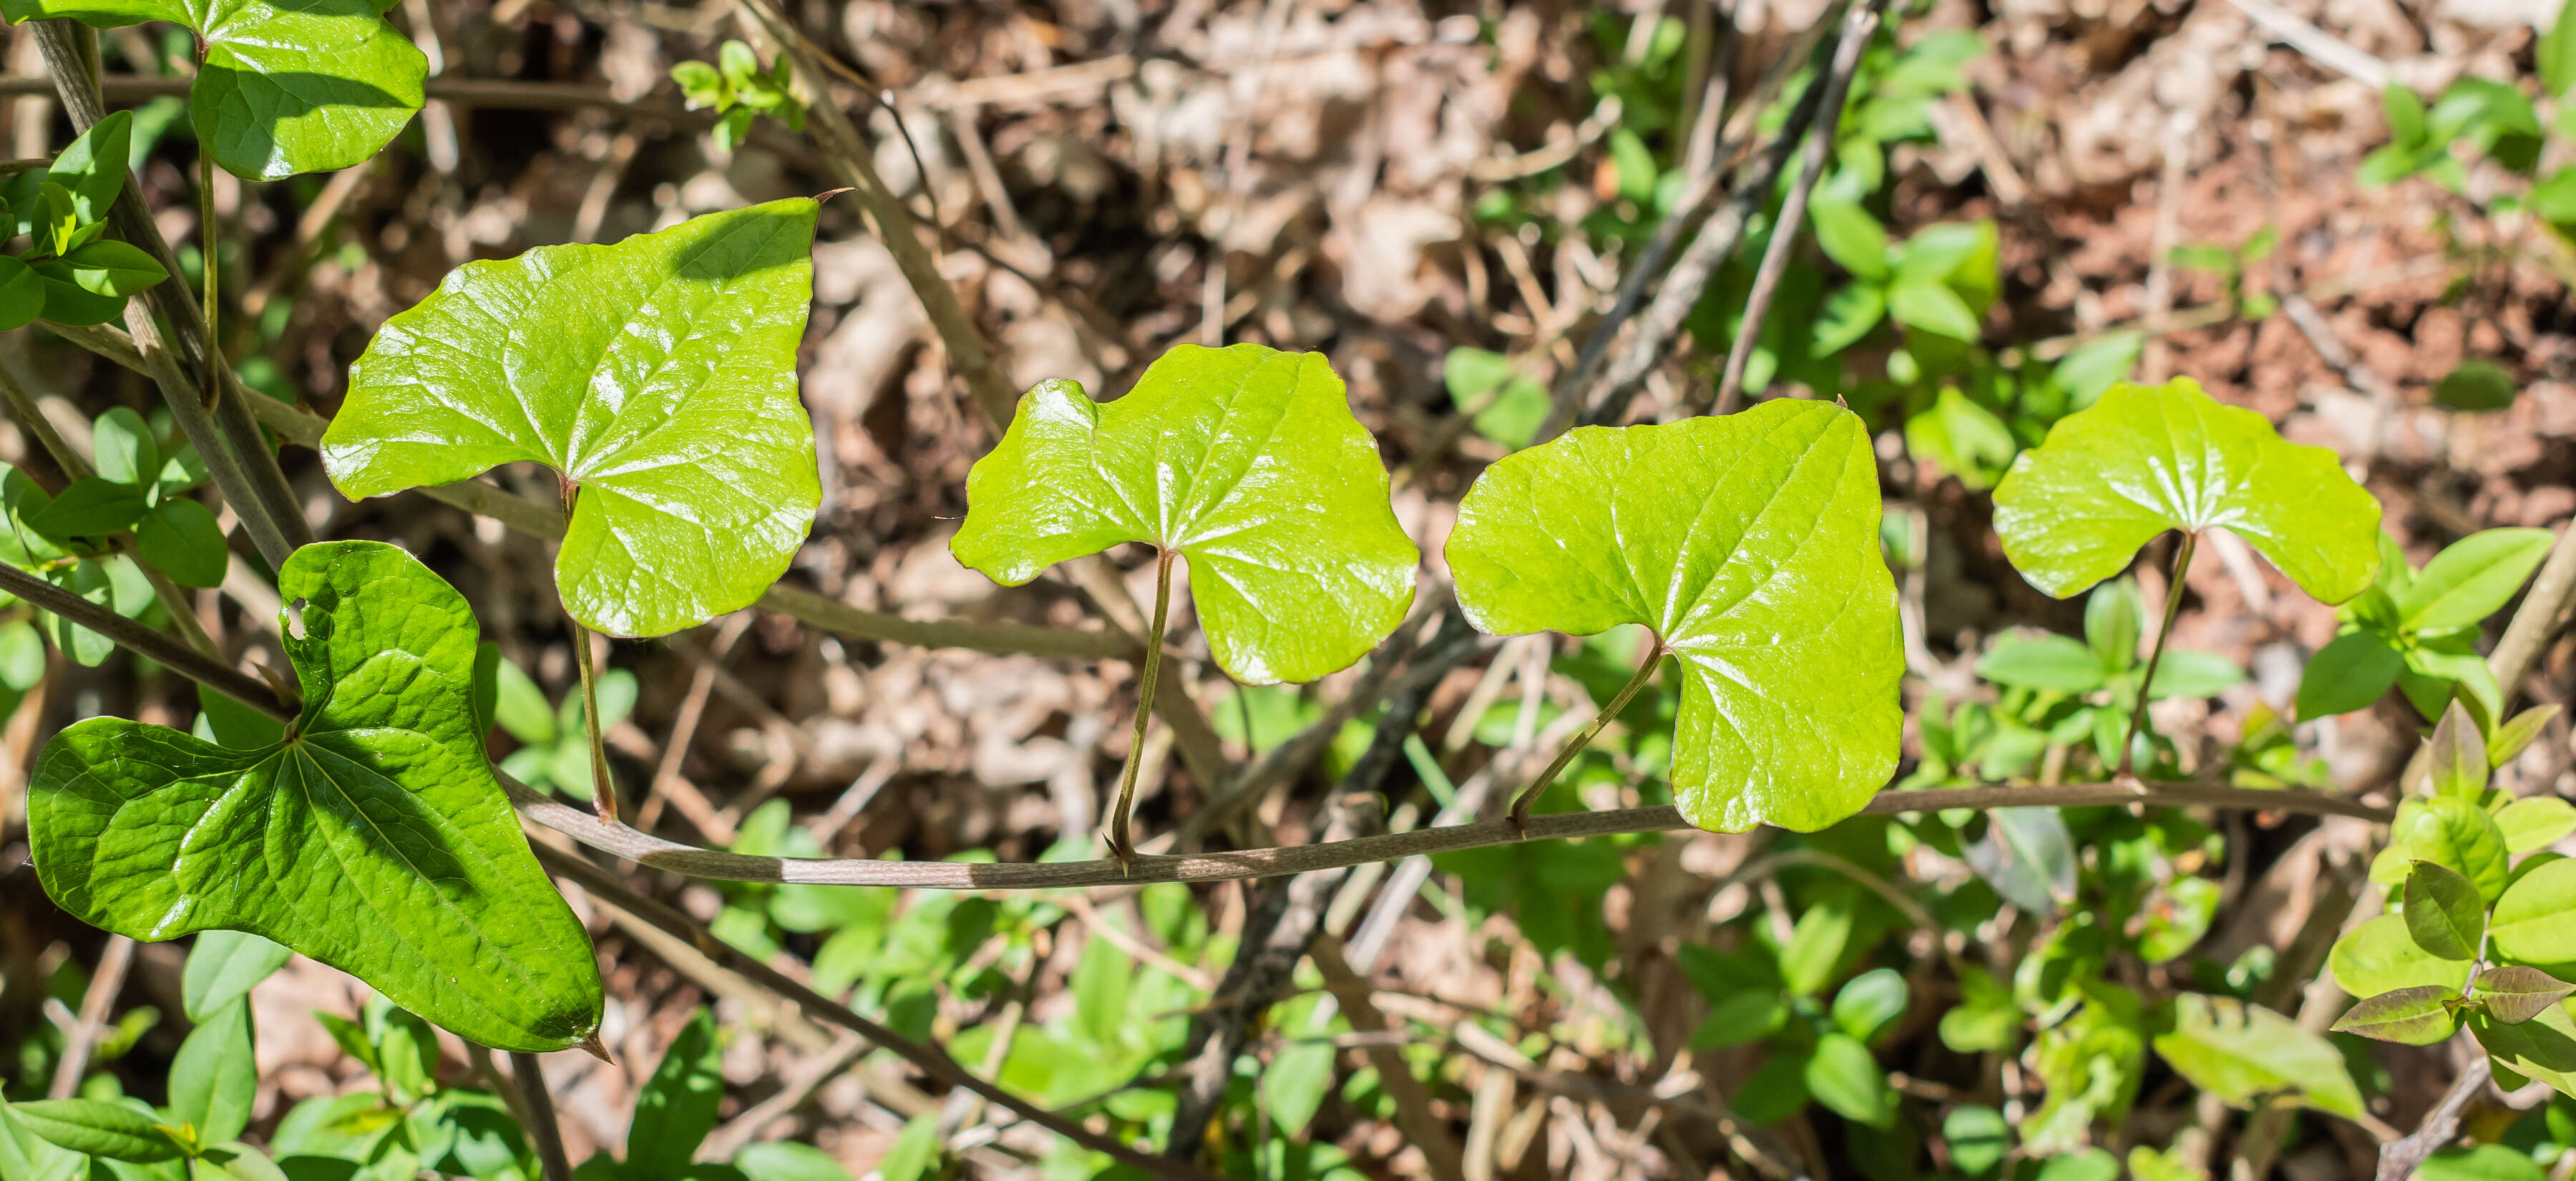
[[1749, 544], [306, 86], [2146, 459], [2419, 1016], [2246, 1054], [374, 839], [1244, 460], [2515, 993], [657, 375]]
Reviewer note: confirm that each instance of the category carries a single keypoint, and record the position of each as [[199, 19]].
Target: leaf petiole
[[2147, 679], [603, 790], [1121, 843], [1574, 746]]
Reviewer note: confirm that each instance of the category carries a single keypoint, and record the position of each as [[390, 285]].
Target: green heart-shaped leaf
[[375, 839], [1246, 461], [657, 374], [307, 86], [2419, 1016], [2145, 459], [1749, 544]]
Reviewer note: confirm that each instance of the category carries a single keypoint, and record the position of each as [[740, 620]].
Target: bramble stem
[[2173, 607], [207, 249], [1574, 746], [1121, 843], [603, 789]]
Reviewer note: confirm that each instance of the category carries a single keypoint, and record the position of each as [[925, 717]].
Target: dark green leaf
[[22, 293], [90, 507], [2350, 673], [377, 840], [92, 168], [182, 539], [2475, 385]]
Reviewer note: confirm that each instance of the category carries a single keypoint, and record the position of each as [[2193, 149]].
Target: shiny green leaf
[[306, 86], [97, 1127], [375, 839], [1749, 544], [112, 268], [657, 374], [2146, 459], [1244, 460]]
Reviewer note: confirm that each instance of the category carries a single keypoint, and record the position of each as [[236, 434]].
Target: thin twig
[[2399, 1158], [96, 1003], [530, 1080], [2156, 655], [606, 891], [1122, 842], [1858, 27]]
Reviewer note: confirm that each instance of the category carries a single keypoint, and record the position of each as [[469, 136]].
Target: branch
[[2399, 1158], [657, 853], [607, 891], [134, 637], [1857, 29], [529, 1081]]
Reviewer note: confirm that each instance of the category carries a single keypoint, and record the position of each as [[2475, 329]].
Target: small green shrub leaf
[[2380, 956], [2052, 662], [2456, 756], [2146, 459], [182, 538], [677, 1107], [2351, 672], [658, 374], [376, 839], [2475, 385], [2454, 833], [1845, 1077], [2444, 912], [1246, 461], [2515, 993], [216, 1074], [223, 967], [2471, 579], [307, 86], [97, 1127], [114, 269], [2535, 823], [2535, 922], [1749, 544], [2245, 1054], [2542, 1048], [2419, 1016]]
